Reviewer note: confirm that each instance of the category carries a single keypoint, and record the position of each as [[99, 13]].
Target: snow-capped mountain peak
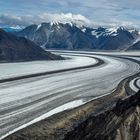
[[54, 23], [112, 30], [68, 35]]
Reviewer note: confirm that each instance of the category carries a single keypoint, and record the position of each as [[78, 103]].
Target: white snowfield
[[138, 83], [26, 101], [135, 86], [115, 53], [8, 70]]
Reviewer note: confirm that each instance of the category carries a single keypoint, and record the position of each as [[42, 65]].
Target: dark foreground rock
[[120, 123], [13, 49]]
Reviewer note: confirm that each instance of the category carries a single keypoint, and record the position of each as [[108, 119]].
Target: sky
[[88, 12]]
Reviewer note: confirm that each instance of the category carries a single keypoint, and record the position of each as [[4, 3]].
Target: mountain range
[[56, 35], [13, 49], [12, 29]]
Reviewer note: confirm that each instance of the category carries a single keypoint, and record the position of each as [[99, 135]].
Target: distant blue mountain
[[12, 29]]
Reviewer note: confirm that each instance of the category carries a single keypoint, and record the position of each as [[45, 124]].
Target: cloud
[[100, 12], [68, 17], [26, 20], [45, 17], [15, 20]]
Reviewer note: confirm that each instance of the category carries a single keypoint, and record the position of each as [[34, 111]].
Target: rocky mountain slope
[[70, 36], [135, 46], [14, 48], [120, 123]]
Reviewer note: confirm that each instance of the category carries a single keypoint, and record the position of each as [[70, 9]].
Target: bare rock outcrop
[[120, 123]]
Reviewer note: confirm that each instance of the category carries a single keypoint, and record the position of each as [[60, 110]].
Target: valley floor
[[25, 101]]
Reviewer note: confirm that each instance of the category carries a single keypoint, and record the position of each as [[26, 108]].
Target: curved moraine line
[[25, 100]]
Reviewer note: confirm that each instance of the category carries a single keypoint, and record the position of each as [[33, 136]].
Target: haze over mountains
[[13, 49], [56, 35]]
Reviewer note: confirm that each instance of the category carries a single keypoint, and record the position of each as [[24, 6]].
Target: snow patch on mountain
[[38, 27], [96, 34], [54, 23], [83, 30], [112, 31], [105, 32]]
